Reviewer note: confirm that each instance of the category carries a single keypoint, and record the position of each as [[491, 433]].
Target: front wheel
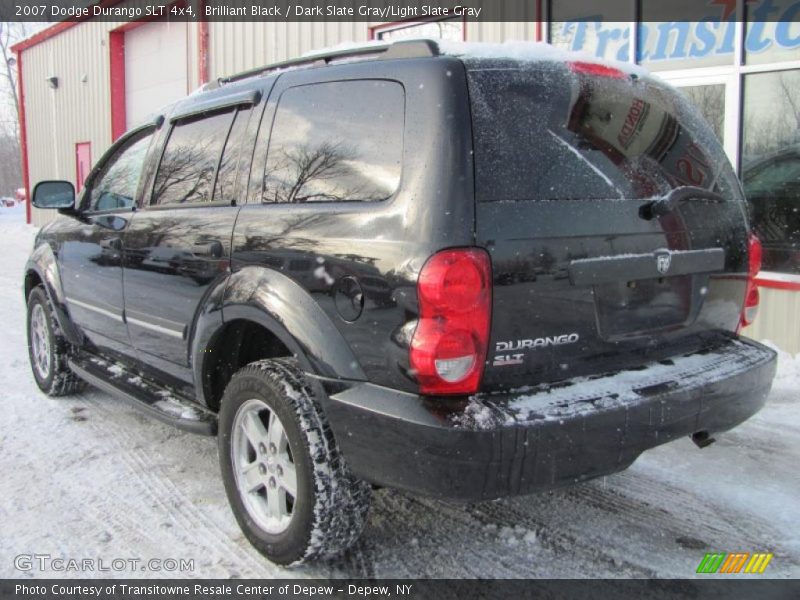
[[48, 351], [289, 488]]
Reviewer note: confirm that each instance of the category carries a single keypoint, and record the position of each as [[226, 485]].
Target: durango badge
[[543, 342]]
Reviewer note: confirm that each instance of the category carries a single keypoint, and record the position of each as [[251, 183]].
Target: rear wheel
[[48, 350], [289, 488]]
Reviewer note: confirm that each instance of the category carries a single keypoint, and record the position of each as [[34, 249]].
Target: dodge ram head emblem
[[663, 261]]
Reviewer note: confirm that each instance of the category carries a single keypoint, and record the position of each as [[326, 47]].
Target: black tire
[[331, 506], [57, 379]]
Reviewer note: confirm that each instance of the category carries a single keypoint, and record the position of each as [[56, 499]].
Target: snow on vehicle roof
[[530, 51], [512, 50]]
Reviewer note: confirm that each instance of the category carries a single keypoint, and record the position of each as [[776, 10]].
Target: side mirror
[[54, 194]]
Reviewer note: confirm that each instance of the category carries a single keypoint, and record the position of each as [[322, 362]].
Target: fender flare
[[282, 307], [43, 263]]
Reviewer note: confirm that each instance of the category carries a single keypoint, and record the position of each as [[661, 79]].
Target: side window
[[189, 164], [339, 141], [224, 189], [114, 187]]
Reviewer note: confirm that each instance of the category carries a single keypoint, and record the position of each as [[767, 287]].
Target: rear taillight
[[751, 297], [596, 69], [452, 336]]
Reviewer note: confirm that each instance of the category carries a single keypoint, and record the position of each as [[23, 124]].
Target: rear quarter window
[[336, 142]]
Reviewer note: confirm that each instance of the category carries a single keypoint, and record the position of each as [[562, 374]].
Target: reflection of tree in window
[[710, 100], [337, 141], [115, 186], [190, 160], [771, 165], [230, 163], [313, 174], [771, 112]]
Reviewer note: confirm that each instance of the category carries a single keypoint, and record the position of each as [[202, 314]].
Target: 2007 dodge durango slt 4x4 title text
[[435, 268]]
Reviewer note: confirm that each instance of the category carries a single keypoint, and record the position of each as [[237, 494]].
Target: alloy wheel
[[263, 466], [40, 341]]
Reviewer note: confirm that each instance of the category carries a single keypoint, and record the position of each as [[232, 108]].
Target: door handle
[[112, 243], [212, 248]]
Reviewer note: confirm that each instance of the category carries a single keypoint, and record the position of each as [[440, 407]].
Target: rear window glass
[[544, 133], [334, 142]]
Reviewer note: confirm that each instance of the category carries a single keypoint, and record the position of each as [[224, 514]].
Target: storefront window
[[602, 29], [705, 36], [771, 165], [772, 31], [452, 29]]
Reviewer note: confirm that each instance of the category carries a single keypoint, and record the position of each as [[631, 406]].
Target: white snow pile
[[15, 213], [172, 405], [512, 536], [477, 415]]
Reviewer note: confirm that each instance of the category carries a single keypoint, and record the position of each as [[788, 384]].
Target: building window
[[704, 37], [583, 27], [710, 101], [334, 142], [187, 169], [771, 165], [444, 29], [772, 31]]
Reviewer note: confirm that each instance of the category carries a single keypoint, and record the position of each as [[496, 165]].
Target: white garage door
[[155, 68]]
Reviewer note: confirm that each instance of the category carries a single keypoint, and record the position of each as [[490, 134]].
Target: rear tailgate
[[615, 224]]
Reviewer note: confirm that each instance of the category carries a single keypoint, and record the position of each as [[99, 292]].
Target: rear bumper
[[545, 437]]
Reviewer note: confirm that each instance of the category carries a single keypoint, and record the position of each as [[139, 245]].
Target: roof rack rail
[[402, 49]]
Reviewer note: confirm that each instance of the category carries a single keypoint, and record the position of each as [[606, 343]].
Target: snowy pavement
[[90, 477]]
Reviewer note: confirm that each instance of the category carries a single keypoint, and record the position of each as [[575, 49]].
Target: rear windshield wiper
[[667, 203]]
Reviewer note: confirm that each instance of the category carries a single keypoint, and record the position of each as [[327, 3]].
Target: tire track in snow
[[418, 537], [708, 520], [571, 550], [409, 536], [197, 530], [633, 509]]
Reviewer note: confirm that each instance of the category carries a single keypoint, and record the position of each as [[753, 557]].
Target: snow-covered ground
[[90, 477]]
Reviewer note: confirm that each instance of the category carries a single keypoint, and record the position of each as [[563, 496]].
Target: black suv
[[434, 269]]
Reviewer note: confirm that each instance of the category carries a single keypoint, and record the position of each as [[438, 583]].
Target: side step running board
[[153, 400]]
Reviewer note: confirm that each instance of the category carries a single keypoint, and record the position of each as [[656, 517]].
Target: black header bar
[[383, 11], [707, 588]]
